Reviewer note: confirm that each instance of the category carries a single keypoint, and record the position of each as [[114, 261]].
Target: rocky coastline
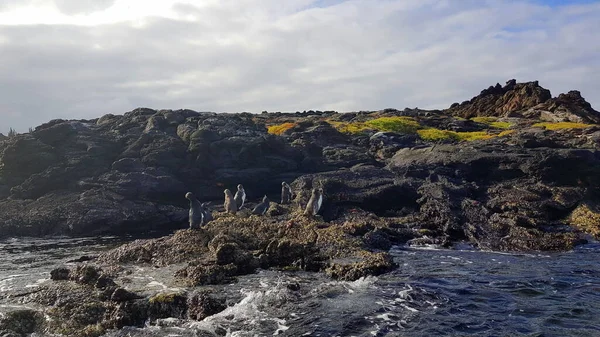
[[512, 169]]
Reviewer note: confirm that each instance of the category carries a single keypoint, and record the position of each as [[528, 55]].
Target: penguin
[[196, 211], [286, 193], [262, 208], [230, 205], [315, 202], [240, 196], [206, 213]]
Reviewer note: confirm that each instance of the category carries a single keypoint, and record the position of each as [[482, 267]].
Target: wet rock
[[204, 304], [21, 322], [378, 239], [371, 264], [123, 295], [182, 246], [208, 274], [164, 305], [59, 274]]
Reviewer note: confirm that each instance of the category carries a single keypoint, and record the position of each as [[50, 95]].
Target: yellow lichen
[[433, 135], [586, 219], [562, 125], [492, 122], [505, 133], [475, 135], [393, 124], [279, 129], [346, 127]]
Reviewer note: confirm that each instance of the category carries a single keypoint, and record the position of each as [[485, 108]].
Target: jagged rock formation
[[528, 100], [501, 100], [567, 107]]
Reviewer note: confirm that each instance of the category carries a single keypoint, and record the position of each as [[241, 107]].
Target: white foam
[[250, 311], [37, 283], [280, 327], [156, 284], [409, 308]]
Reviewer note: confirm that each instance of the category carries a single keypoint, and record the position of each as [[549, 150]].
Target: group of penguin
[[200, 214]]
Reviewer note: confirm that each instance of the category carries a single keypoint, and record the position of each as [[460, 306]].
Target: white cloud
[[61, 59]]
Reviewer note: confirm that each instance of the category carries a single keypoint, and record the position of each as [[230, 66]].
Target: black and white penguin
[[230, 204], [315, 202], [286, 193], [206, 213], [262, 208], [240, 196], [196, 211]]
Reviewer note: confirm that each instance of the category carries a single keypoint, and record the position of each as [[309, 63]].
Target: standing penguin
[[206, 213], [262, 208], [230, 205], [196, 211], [240, 196], [286, 193], [315, 202]]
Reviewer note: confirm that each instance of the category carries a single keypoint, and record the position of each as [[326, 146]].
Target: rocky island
[[512, 169]]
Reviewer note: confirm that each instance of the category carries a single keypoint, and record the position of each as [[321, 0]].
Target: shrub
[[279, 129], [561, 125]]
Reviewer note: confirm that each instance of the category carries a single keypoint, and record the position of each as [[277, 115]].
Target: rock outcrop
[[128, 173], [527, 100], [524, 175], [502, 101]]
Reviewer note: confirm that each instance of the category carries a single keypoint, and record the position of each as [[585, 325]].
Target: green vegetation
[[393, 124], [492, 122], [279, 129], [346, 127], [433, 135], [505, 133], [562, 125], [476, 135], [410, 126]]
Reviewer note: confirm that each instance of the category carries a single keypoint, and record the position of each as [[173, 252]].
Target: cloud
[[250, 55], [71, 7]]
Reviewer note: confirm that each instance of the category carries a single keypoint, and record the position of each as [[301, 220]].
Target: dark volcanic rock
[[367, 187], [59, 274], [129, 174], [22, 322], [204, 304]]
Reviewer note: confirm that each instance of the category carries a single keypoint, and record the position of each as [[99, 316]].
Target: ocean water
[[434, 292]]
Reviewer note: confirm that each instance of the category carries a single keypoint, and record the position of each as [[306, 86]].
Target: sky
[[86, 58]]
